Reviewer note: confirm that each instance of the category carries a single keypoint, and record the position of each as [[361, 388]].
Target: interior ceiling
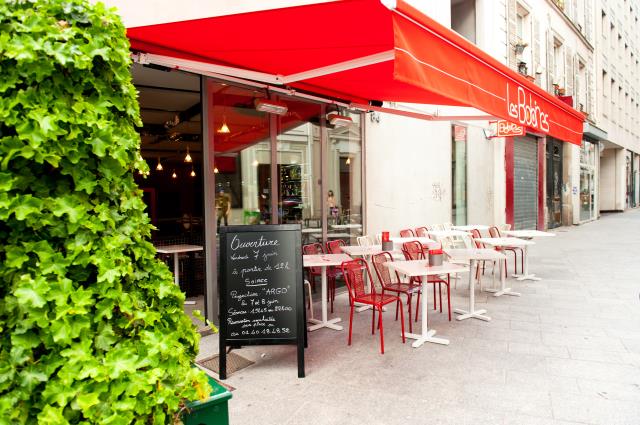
[[170, 107], [163, 96]]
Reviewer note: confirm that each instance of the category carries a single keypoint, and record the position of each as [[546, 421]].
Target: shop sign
[[459, 133], [525, 110], [505, 128]]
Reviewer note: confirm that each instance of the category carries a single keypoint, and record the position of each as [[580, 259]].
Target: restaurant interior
[[258, 138]]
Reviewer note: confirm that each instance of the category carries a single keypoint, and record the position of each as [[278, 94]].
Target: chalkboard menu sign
[[261, 288]]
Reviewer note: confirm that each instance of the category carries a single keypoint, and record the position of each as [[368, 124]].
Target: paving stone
[[594, 410], [566, 352]]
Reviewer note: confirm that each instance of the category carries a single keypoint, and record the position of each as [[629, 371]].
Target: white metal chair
[[365, 240], [308, 285]]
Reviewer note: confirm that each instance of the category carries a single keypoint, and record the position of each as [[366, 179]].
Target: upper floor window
[[463, 18], [524, 40], [581, 88], [558, 63]]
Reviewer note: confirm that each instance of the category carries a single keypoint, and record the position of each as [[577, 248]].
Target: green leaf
[[51, 415], [87, 400], [29, 297]]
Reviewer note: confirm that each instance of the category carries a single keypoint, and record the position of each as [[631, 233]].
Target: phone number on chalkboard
[[268, 331]]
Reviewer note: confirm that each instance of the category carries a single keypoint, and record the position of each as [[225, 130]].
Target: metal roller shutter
[[525, 183]]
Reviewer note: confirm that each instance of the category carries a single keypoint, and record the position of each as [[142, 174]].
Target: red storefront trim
[[508, 166], [542, 188]]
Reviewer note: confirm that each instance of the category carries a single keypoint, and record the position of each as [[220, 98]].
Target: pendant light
[[159, 166], [224, 128], [187, 157], [348, 161], [174, 175], [193, 173], [215, 170]]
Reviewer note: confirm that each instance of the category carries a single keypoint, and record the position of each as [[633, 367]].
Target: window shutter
[[537, 53], [550, 66], [577, 97], [589, 107], [588, 20], [568, 71], [512, 33]]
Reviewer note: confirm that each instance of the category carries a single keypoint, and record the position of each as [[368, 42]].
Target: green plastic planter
[[212, 411]]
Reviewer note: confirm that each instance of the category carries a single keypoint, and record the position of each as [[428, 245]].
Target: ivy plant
[[92, 328]]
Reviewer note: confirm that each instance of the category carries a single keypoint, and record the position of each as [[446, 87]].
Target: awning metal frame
[[276, 83]]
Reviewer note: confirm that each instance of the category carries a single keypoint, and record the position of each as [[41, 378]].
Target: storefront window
[[299, 168], [587, 180], [242, 156], [630, 183], [344, 179], [459, 175]]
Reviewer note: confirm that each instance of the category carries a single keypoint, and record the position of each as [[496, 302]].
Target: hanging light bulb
[[348, 161], [187, 157], [159, 166], [224, 128], [193, 173], [174, 175], [215, 170]]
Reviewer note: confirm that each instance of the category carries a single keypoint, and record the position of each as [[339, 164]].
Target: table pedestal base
[[428, 337], [504, 291], [476, 314], [521, 277], [319, 324]]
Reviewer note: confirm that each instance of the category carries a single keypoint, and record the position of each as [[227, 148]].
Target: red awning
[[359, 51]]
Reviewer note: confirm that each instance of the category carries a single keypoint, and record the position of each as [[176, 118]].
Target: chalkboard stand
[[289, 250]]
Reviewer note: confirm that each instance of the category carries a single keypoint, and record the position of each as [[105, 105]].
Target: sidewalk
[[567, 351]]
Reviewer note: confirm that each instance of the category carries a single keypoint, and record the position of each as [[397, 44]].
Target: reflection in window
[[345, 178], [241, 153]]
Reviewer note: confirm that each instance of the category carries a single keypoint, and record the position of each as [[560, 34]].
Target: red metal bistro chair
[[495, 233], [334, 247], [391, 284], [407, 233], [413, 251], [313, 272], [475, 234], [422, 232], [353, 272]]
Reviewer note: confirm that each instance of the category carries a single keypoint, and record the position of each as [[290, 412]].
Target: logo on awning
[[526, 111]]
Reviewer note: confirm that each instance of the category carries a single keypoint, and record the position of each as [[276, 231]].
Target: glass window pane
[[344, 178], [299, 169], [242, 156], [171, 143], [459, 176]]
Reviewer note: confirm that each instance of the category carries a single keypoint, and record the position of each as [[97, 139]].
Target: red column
[[508, 165], [542, 174]]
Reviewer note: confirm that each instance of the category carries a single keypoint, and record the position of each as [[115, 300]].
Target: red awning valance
[[359, 51]]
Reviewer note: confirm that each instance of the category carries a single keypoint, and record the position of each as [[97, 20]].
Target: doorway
[[554, 183]]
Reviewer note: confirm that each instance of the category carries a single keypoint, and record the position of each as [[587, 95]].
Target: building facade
[[618, 79]]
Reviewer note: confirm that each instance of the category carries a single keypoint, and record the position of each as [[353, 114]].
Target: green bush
[[92, 328]]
